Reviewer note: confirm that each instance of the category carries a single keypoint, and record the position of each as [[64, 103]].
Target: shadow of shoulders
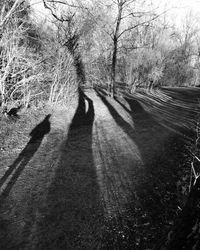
[[37, 135]]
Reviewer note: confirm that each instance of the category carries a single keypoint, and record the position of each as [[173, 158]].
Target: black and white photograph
[[99, 125]]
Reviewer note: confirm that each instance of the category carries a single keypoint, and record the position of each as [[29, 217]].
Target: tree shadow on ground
[[154, 201], [72, 214], [14, 171]]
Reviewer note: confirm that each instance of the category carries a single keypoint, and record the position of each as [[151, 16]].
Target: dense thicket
[[35, 66], [92, 42]]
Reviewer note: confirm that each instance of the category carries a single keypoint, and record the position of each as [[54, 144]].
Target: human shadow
[[154, 200], [81, 117], [25, 156], [71, 217]]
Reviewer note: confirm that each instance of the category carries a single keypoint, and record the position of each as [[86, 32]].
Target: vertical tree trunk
[[115, 48], [72, 46], [113, 66]]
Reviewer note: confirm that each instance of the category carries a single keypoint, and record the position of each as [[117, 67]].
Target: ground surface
[[104, 174]]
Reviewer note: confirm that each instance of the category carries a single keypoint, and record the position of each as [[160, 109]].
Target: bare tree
[[70, 30], [128, 17], [19, 65], [121, 20]]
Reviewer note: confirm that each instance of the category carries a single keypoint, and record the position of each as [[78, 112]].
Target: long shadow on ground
[[154, 204], [14, 171], [71, 217], [25, 156]]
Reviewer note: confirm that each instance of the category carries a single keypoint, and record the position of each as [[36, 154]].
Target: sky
[[39, 9], [178, 9]]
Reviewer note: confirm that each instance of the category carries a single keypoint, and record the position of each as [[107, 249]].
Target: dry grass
[[14, 134]]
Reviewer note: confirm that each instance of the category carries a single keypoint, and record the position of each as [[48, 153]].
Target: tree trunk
[[72, 46], [113, 66], [115, 47]]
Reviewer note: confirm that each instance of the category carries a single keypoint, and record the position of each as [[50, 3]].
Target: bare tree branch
[[80, 6], [61, 19], [141, 24], [137, 14], [10, 12]]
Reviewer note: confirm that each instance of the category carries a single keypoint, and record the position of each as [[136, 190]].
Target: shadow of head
[[41, 129], [84, 115], [90, 112]]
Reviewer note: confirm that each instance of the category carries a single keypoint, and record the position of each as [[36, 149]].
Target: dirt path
[[104, 178]]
